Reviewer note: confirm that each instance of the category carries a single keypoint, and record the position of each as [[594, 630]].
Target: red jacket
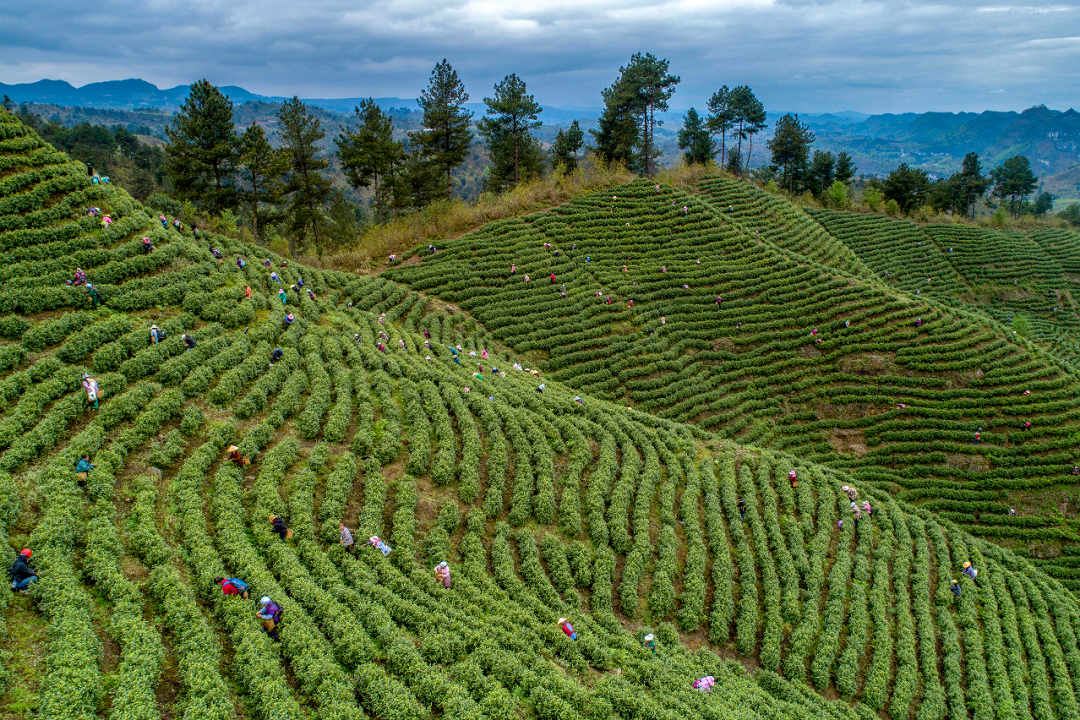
[[228, 588]]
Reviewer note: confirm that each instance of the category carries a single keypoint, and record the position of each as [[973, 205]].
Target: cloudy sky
[[801, 55]]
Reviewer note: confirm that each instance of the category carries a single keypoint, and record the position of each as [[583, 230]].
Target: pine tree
[[370, 154], [418, 182], [971, 183], [343, 222], [262, 174], [446, 137], [617, 132], [790, 146], [1014, 178], [695, 140], [626, 130], [909, 187], [823, 171], [845, 168], [306, 187], [747, 117], [511, 114], [720, 118], [565, 147], [202, 151], [649, 75]]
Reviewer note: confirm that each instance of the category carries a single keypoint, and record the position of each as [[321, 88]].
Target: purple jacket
[[270, 612]]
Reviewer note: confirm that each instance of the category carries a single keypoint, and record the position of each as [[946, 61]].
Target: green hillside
[[564, 503], [750, 370]]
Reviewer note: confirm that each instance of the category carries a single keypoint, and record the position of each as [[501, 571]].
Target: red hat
[[26, 552]]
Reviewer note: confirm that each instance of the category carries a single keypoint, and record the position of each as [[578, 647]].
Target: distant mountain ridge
[[937, 140], [135, 93]]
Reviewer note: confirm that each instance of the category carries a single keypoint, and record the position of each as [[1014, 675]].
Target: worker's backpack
[[240, 585]]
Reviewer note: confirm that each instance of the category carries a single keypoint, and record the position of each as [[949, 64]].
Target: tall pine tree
[[845, 168], [1014, 179], [307, 188], [695, 140], [515, 153], [971, 183], [720, 118], [747, 117], [822, 172], [202, 151], [370, 155], [655, 86], [790, 145], [446, 138], [626, 130], [564, 148], [617, 132], [262, 175]]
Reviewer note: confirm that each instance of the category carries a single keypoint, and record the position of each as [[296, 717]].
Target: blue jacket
[[84, 466], [21, 569]]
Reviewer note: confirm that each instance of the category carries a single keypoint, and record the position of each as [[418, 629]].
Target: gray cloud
[[809, 55]]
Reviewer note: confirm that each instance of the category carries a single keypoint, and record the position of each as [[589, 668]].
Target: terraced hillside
[[861, 375], [546, 505], [781, 224], [1003, 274]]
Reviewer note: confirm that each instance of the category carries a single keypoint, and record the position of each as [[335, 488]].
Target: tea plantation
[[645, 490]]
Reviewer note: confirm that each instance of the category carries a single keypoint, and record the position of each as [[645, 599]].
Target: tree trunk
[[315, 227], [750, 151], [517, 176], [449, 185], [652, 140], [648, 141], [378, 200], [255, 209], [739, 148], [314, 216]]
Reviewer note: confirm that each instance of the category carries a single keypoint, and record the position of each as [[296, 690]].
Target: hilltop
[[673, 516]]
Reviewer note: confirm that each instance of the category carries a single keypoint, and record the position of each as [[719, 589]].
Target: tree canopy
[[511, 115], [202, 151], [626, 128], [565, 147], [790, 146], [720, 119], [446, 137], [908, 186], [306, 186], [695, 140], [748, 118], [1015, 180], [262, 172], [370, 154]]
